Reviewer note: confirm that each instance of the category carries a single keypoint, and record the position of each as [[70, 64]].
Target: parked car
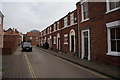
[[26, 46]]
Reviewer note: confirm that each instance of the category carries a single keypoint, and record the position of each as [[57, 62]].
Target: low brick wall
[[10, 44]]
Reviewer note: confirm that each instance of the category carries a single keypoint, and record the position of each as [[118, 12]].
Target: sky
[[28, 15]]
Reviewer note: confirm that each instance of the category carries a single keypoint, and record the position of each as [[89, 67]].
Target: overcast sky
[[26, 16]]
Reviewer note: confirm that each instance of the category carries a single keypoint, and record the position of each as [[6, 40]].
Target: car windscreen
[[26, 44]]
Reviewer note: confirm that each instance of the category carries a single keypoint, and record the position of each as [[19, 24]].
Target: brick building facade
[[11, 41], [99, 31], [32, 37], [93, 32], [62, 35]]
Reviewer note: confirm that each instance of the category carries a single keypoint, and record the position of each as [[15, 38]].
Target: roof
[[32, 33]]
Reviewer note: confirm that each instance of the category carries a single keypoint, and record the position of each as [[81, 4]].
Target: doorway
[[72, 40], [85, 44]]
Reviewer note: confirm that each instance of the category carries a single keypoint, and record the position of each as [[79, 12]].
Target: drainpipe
[[78, 34]]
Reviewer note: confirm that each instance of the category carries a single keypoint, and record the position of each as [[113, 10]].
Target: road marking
[[93, 72], [30, 68]]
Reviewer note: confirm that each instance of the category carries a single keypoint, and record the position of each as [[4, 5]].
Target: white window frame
[[45, 32], [37, 38], [58, 25], [44, 40], [65, 22], [109, 26], [54, 40], [72, 19], [108, 7], [0, 20], [83, 20], [66, 35], [31, 37], [55, 27], [50, 30]]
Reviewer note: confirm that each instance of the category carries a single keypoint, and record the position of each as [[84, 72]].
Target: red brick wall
[[63, 47], [98, 30], [10, 44]]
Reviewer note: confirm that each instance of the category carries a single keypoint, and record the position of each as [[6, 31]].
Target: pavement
[[14, 66], [100, 67]]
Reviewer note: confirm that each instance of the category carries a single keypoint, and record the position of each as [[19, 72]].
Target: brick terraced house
[[92, 31], [62, 35], [32, 37], [99, 31], [1, 31]]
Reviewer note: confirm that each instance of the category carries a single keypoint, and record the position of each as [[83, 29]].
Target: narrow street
[[40, 64]]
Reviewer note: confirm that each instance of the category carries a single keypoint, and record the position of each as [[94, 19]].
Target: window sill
[[112, 10], [113, 53], [65, 43], [85, 20]]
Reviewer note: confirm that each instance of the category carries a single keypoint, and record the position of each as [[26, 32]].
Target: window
[[50, 30], [65, 22], [41, 34], [57, 25], [0, 20], [72, 19], [54, 40], [84, 11], [113, 38], [44, 32], [54, 27], [36, 37], [30, 37], [113, 5], [66, 39]]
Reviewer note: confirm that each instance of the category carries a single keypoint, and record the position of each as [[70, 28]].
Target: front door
[[59, 43], [85, 37], [72, 43]]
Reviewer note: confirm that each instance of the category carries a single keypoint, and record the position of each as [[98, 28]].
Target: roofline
[[1, 14]]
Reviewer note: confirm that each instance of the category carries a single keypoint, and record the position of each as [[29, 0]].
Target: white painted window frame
[[58, 25], [109, 26], [31, 37], [65, 22], [54, 40], [50, 37], [50, 30], [108, 7], [82, 55], [55, 27], [37, 38], [66, 35], [0, 20], [72, 19], [44, 40], [83, 20]]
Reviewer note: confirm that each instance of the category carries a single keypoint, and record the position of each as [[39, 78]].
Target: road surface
[[40, 64]]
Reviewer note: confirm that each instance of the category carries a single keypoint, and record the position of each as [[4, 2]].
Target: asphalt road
[[40, 64]]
